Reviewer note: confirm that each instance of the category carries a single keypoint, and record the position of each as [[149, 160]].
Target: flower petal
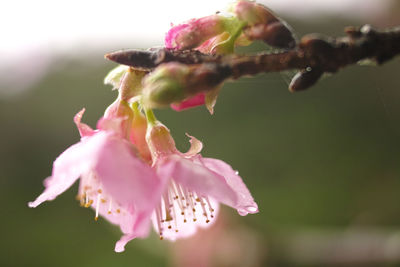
[[245, 203], [84, 129], [197, 178], [120, 245], [170, 38], [140, 228], [71, 164], [66, 170], [191, 102], [125, 177]]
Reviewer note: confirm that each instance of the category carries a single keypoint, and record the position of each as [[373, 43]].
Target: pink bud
[[194, 32], [253, 13]]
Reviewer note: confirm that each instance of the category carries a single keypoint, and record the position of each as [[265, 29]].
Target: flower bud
[[159, 140], [252, 13], [165, 85], [305, 79], [213, 45], [174, 82], [193, 33], [263, 25], [275, 34]]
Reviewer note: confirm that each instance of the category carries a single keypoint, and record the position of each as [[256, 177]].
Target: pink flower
[[113, 180], [194, 186]]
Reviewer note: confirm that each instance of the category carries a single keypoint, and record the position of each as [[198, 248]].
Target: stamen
[[180, 198], [167, 208], [88, 204], [209, 204], [175, 219], [158, 219], [204, 209], [97, 207]]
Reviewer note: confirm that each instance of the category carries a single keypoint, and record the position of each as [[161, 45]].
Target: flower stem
[[135, 108], [151, 118]]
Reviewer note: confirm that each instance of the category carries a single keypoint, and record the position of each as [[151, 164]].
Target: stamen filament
[[97, 206]]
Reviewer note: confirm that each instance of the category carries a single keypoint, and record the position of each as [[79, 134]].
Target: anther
[[87, 205], [109, 206]]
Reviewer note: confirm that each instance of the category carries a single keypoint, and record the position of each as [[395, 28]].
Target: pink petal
[[191, 102], [132, 222], [125, 177], [170, 38], [197, 178], [245, 203], [84, 129], [120, 245], [67, 168], [140, 228], [194, 32], [110, 124]]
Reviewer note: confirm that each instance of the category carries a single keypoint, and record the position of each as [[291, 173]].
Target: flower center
[[91, 195], [179, 207]]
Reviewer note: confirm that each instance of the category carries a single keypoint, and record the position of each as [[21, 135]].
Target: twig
[[313, 56]]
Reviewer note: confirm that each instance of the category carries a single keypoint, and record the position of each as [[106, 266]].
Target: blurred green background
[[323, 166]]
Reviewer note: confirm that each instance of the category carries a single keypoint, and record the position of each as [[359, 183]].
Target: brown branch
[[147, 60], [313, 56]]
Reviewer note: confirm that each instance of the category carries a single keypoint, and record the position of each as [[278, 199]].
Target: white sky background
[[34, 31]]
